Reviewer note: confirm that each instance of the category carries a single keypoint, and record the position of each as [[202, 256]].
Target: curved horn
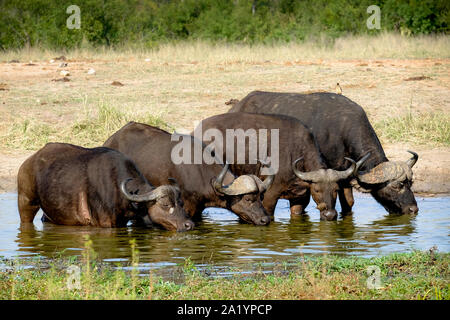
[[219, 180], [241, 185], [305, 176], [361, 162], [268, 180], [411, 162], [340, 175], [152, 195], [173, 182]]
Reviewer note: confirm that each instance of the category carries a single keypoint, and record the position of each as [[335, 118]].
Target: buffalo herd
[[322, 145]]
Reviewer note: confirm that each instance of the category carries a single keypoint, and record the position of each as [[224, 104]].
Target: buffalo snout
[[328, 215], [188, 225], [413, 209], [265, 220]]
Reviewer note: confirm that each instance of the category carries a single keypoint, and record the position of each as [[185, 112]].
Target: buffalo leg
[[299, 205], [269, 205], [27, 199], [346, 199], [28, 207]]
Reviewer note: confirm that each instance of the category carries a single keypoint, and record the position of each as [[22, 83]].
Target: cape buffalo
[[301, 168], [202, 185], [342, 130], [96, 187]]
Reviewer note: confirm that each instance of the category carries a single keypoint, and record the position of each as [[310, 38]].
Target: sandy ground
[[181, 93]]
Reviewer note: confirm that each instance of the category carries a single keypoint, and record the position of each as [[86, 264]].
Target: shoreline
[[413, 275]]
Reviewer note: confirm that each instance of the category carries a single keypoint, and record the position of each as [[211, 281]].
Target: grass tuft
[[426, 128], [91, 131]]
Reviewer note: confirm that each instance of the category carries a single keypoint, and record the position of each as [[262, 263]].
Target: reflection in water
[[221, 240]]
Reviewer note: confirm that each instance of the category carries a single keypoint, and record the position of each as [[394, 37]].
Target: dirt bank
[[179, 93]]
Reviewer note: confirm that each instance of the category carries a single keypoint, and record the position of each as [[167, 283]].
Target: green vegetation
[[91, 131], [430, 127], [147, 23], [416, 275]]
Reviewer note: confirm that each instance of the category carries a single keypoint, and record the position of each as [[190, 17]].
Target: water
[[220, 240]]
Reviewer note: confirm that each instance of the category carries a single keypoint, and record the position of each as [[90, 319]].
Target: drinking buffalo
[[95, 187], [301, 168], [342, 130], [202, 185]]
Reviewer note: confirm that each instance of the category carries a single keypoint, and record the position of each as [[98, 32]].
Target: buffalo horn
[[152, 195], [411, 162], [305, 176], [268, 180]]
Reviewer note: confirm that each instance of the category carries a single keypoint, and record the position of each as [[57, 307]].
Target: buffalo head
[[244, 196], [164, 206], [324, 185], [390, 184]]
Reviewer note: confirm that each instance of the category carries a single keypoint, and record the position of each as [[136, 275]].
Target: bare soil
[[181, 93]]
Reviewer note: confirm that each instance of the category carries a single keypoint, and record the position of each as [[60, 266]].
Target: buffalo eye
[[249, 198], [398, 185], [164, 204]]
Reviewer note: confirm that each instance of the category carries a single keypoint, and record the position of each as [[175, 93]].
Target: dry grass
[[185, 82], [425, 128], [384, 45], [91, 131]]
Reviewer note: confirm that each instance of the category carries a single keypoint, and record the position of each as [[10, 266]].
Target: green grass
[[416, 275], [91, 131], [426, 128]]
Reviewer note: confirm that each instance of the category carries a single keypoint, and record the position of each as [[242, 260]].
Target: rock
[[91, 71], [52, 60], [231, 102], [64, 79], [417, 78]]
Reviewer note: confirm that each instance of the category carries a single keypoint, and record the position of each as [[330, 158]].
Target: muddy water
[[220, 240]]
